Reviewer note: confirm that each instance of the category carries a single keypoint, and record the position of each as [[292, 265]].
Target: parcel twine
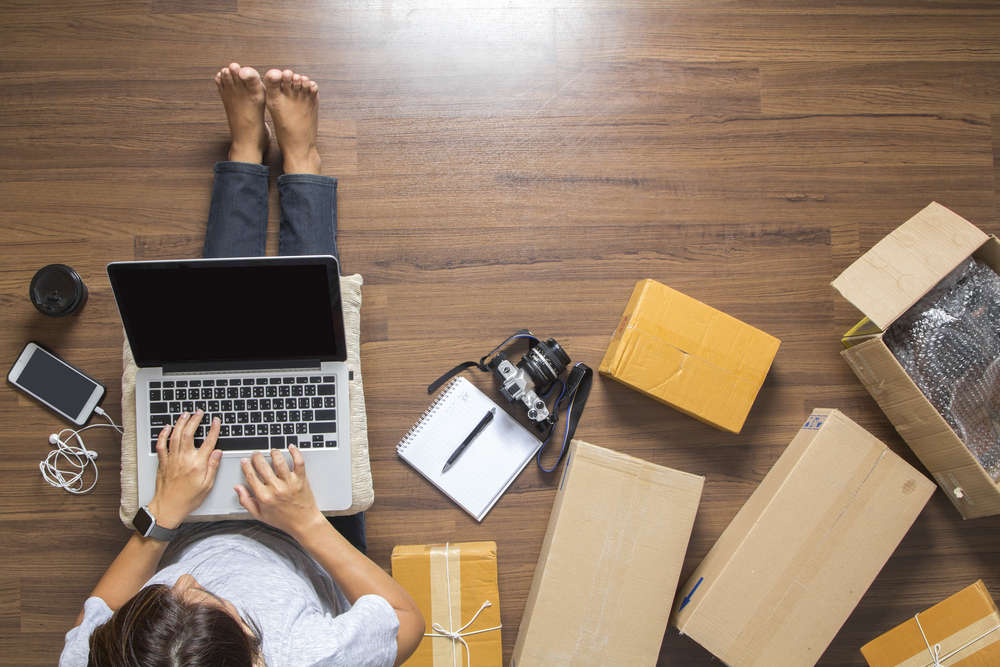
[[458, 635], [935, 651]]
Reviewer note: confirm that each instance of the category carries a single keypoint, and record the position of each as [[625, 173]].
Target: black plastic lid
[[57, 290]]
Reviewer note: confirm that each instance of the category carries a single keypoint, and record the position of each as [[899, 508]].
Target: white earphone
[[91, 454], [76, 459]]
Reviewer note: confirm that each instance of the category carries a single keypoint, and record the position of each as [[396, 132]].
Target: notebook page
[[488, 466]]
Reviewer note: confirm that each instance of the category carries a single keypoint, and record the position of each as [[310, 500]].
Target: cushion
[[361, 485]]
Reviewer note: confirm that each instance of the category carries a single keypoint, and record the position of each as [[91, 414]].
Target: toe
[[250, 77], [286, 77], [272, 82]]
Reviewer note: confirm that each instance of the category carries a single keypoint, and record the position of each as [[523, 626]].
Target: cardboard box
[[964, 630], [787, 572], [690, 356], [609, 563], [451, 583], [883, 284]]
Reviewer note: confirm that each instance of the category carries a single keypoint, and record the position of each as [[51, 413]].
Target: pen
[[480, 427]]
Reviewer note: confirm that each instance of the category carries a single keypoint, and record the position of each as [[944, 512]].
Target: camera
[[540, 366], [529, 380]]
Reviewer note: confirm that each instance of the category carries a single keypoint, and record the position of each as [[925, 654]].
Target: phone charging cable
[[65, 465]]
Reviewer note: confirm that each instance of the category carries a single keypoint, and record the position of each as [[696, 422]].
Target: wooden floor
[[501, 165]]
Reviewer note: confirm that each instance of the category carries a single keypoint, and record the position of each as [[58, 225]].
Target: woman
[[243, 593]]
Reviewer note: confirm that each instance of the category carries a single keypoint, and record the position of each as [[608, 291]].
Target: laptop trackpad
[[223, 499]]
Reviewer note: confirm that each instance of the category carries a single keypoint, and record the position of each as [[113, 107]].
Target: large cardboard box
[[787, 572], [455, 586], [883, 284], [609, 563], [962, 631], [690, 356]]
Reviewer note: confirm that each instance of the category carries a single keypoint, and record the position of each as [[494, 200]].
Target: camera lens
[[544, 362]]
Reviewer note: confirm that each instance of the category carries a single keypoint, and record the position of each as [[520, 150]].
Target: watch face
[[142, 521]]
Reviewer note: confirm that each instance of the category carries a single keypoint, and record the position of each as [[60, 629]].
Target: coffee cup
[[57, 290]]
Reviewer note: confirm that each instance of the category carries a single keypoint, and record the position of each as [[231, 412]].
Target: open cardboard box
[[883, 284]]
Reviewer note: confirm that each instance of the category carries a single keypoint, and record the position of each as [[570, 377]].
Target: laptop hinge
[[241, 366]]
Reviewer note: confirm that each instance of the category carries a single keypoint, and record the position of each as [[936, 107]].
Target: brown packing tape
[[451, 583]]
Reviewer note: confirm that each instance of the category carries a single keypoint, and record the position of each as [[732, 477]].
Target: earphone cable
[[65, 466]]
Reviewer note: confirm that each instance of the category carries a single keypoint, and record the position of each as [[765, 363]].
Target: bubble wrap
[[949, 344]]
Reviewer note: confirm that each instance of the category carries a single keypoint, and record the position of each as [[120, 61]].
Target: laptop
[[258, 342]]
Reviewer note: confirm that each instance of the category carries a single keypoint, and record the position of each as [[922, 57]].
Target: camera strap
[[481, 364], [577, 391], [434, 386]]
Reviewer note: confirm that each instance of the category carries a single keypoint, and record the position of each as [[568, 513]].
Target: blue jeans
[[237, 216], [237, 227]]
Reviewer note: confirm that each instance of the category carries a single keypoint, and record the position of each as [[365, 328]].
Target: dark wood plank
[[193, 7], [502, 166]]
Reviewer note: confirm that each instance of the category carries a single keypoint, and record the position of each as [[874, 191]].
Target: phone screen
[[60, 385]]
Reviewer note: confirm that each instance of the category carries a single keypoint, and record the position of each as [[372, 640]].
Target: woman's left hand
[[185, 474]]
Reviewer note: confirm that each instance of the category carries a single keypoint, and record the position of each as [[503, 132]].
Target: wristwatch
[[145, 523]]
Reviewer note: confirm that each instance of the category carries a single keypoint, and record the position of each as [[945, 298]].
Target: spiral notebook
[[487, 467]]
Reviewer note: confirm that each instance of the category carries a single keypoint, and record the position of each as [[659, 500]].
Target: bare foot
[[243, 96], [293, 101]]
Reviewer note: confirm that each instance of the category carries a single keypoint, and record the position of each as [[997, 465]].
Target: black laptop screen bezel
[[197, 318]]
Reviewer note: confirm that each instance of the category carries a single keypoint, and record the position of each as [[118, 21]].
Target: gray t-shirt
[[304, 618]]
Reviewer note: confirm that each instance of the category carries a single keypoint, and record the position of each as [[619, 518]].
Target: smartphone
[[56, 384]]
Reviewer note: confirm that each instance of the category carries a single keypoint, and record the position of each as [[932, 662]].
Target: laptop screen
[[216, 314]]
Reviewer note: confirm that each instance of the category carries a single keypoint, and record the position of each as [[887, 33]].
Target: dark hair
[[158, 628]]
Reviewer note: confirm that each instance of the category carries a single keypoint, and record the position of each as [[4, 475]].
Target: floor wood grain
[[502, 166]]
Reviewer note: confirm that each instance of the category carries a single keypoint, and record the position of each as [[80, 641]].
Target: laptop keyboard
[[256, 412]]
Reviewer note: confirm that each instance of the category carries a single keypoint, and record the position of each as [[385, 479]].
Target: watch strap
[[156, 531], [162, 534]]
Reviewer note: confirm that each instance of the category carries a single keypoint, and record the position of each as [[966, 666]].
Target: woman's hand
[[281, 497], [185, 474]]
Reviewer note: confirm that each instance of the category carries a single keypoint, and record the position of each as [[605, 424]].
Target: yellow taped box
[[609, 563], [883, 284], [964, 631], [451, 583], [797, 558], [689, 355]]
